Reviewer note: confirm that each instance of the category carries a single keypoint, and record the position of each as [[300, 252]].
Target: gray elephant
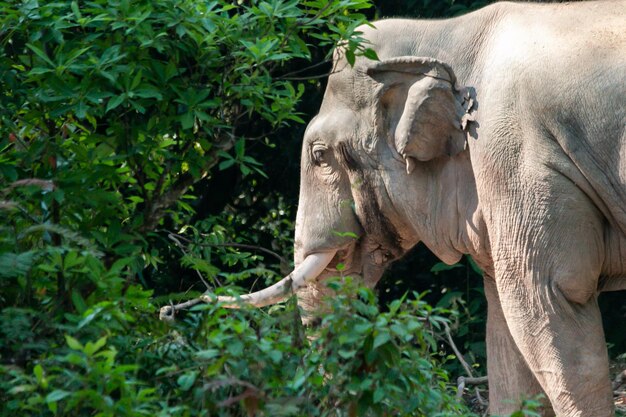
[[500, 134]]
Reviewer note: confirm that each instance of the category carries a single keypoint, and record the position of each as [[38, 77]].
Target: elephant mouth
[[364, 259], [343, 259]]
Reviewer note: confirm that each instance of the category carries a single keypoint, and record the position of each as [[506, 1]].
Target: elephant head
[[367, 163], [359, 186]]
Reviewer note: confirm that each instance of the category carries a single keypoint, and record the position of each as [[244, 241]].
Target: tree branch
[[175, 238], [46, 185], [619, 380], [168, 313], [458, 354], [284, 264], [162, 202], [301, 70], [461, 381]]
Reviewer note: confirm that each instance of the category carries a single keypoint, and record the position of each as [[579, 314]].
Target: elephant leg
[[547, 278], [510, 378], [548, 250], [563, 344]]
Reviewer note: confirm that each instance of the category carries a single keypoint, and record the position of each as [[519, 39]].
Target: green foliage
[[530, 408], [469, 322], [92, 369], [111, 113], [361, 361], [126, 105], [383, 362]]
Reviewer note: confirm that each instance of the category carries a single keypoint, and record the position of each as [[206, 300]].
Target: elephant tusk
[[308, 270]]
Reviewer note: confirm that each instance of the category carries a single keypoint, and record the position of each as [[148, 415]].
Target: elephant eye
[[318, 155]]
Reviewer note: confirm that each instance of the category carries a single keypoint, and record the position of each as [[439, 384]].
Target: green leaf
[[346, 234], [166, 370], [39, 71], [76, 10], [474, 265], [13, 265], [240, 147], [381, 338], [347, 354], [226, 164], [39, 375], [47, 268], [115, 102], [18, 389], [91, 348], [149, 92], [73, 343], [350, 57], [235, 348], [187, 120], [370, 54], [379, 394], [186, 381], [71, 260], [136, 80], [119, 265], [207, 354], [56, 395], [41, 54], [78, 301]]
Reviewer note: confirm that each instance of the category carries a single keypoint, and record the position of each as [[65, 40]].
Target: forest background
[[149, 152]]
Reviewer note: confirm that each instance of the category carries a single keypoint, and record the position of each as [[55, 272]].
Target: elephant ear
[[424, 109]]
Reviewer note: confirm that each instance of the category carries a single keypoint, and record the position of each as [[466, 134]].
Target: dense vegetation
[[149, 153]]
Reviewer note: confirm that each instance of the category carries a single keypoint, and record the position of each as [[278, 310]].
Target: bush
[[110, 113], [361, 361]]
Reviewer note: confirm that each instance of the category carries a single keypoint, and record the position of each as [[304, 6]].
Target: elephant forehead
[[350, 87], [329, 125]]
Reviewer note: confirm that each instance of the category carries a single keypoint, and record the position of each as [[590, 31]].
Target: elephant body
[[499, 134]]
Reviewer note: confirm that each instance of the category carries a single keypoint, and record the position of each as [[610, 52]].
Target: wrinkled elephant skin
[[499, 134]]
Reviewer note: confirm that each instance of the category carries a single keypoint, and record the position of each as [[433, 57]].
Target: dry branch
[[462, 381], [619, 380], [168, 313], [468, 369], [45, 185]]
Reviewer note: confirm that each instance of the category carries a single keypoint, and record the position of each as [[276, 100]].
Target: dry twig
[[462, 381], [168, 313], [619, 380]]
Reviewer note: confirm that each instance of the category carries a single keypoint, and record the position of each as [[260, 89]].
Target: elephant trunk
[[308, 270]]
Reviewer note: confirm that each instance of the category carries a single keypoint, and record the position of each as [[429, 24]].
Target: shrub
[[360, 361]]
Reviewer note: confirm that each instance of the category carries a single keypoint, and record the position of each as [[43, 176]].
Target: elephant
[[500, 134]]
